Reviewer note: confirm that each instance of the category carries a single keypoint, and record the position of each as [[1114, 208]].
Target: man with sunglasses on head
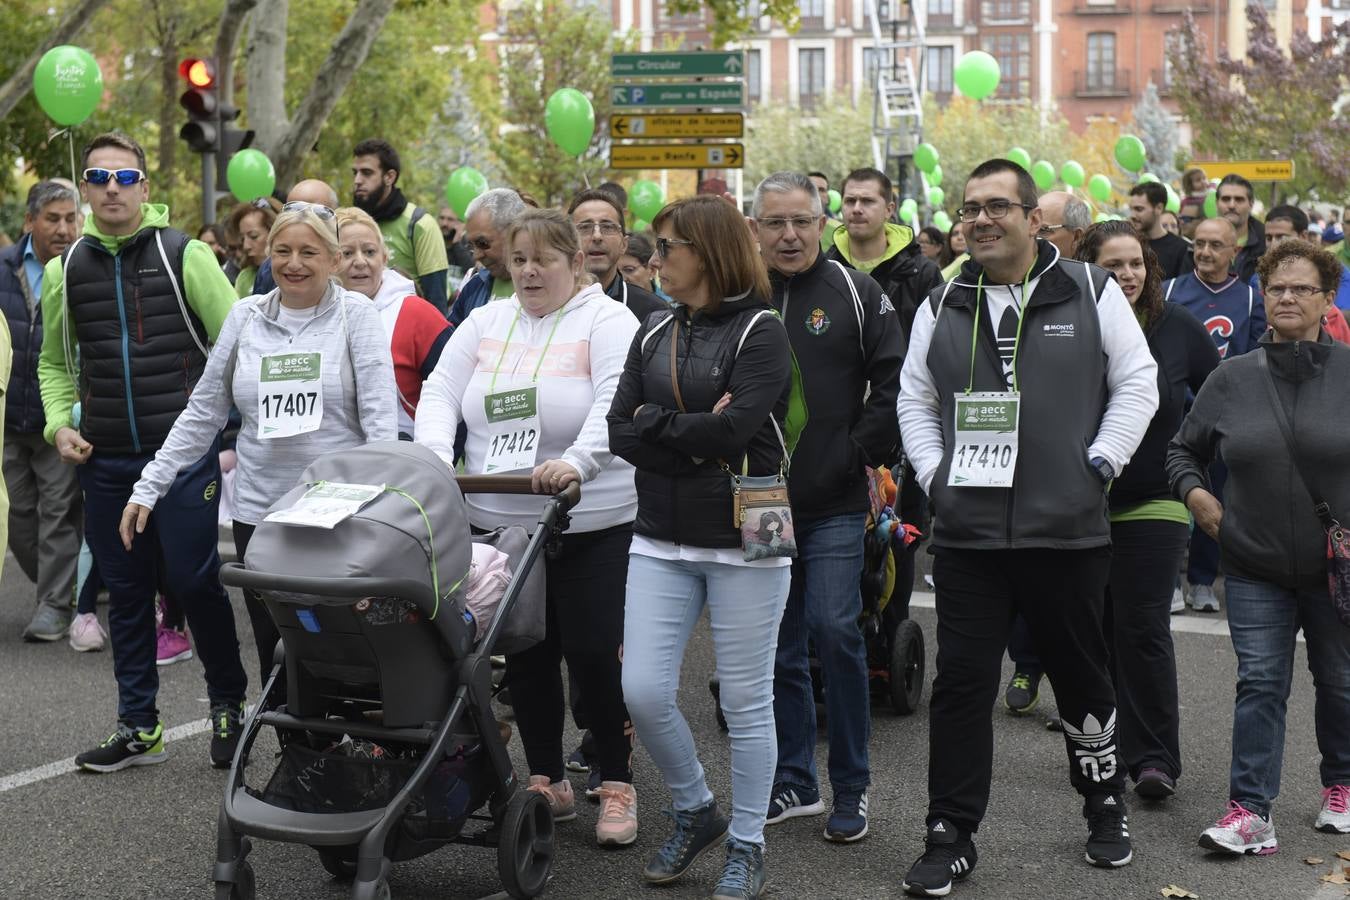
[[128, 312], [486, 221], [599, 222], [845, 337], [1027, 388]]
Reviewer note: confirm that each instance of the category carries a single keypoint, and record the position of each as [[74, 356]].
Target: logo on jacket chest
[[1058, 329], [817, 322]]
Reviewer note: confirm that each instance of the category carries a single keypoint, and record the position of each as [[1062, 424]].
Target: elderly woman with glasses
[[308, 367], [1276, 416]]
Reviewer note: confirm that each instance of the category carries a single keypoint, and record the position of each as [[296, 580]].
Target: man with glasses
[[1234, 198], [486, 221], [1027, 387], [1148, 203], [1064, 220], [1285, 222], [599, 222], [44, 496], [127, 314], [844, 337]]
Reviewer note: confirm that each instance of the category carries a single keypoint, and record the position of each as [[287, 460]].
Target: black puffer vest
[[138, 361]]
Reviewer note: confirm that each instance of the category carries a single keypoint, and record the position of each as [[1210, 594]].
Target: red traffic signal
[[202, 130], [200, 73]]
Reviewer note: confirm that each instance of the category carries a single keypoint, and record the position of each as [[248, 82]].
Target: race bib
[[513, 430], [290, 395], [985, 454]]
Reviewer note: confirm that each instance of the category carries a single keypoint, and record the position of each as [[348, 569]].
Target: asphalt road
[[149, 833]]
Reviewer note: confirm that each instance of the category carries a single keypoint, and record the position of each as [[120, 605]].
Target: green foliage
[[730, 21], [1154, 126], [835, 138]]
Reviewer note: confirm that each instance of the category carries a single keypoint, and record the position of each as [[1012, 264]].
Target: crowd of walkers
[[1081, 407]]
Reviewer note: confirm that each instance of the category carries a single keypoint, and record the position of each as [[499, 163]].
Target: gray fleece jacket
[[360, 403], [1269, 531]]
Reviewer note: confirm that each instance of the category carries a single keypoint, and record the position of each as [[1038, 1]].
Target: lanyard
[[512, 330], [975, 328]]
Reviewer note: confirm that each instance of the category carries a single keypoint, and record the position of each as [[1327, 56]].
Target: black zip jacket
[[1186, 355], [841, 346], [906, 279], [639, 302], [1269, 531], [684, 496]]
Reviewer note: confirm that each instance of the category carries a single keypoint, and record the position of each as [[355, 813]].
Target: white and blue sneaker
[[788, 801], [848, 819]]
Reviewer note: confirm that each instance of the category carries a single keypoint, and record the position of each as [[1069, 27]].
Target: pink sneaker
[[559, 796], [617, 824], [86, 634], [171, 646]]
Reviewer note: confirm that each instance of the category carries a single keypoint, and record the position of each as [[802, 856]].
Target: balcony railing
[[1108, 83], [1162, 80], [1090, 8], [1177, 7]]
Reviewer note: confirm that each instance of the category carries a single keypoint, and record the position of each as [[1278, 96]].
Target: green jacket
[[205, 288]]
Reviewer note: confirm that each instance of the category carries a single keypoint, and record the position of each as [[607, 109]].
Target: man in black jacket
[[599, 222], [844, 336]]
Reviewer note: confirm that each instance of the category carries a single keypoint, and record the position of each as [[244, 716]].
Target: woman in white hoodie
[[532, 377], [417, 331]]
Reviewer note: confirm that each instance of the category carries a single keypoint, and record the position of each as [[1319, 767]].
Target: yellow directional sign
[[1250, 169], [676, 156], [686, 125]]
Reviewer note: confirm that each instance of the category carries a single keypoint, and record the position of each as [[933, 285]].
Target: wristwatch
[[1103, 469]]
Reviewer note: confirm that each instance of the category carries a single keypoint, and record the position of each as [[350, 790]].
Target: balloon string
[[584, 177], [70, 141]]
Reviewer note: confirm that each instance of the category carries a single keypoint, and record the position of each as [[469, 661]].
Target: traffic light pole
[[208, 188]]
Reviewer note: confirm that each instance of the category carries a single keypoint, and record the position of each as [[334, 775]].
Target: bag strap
[[674, 373], [1320, 506], [417, 213]]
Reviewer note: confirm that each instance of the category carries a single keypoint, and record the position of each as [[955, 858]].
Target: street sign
[[1250, 169], [686, 125], [676, 156], [677, 65], [707, 94]]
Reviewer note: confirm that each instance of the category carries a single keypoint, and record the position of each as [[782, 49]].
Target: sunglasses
[[125, 177], [663, 245], [318, 209]]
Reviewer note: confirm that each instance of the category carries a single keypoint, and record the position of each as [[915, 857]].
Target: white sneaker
[[1240, 831], [1335, 815], [1203, 598], [1178, 600], [86, 634]]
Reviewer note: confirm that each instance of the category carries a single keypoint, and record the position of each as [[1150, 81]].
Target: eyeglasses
[[125, 177], [481, 243], [663, 245], [318, 209], [608, 229], [799, 223], [994, 209], [1046, 230], [1299, 291]]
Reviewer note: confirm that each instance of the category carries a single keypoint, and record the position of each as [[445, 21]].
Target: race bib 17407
[[985, 452], [290, 394]]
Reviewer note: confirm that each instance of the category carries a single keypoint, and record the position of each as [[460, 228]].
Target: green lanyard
[[512, 330], [975, 329]]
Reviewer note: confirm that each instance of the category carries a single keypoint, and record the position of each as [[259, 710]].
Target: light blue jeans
[[745, 605]]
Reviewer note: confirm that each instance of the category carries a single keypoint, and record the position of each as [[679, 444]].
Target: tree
[[1154, 126], [834, 139], [1271, 105], [967, 132], [457, 135], [731, 19]]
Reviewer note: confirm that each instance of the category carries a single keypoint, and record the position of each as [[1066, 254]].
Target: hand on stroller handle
[[567, 498]]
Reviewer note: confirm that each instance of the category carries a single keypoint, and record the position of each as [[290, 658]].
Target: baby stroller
[[379, 696]]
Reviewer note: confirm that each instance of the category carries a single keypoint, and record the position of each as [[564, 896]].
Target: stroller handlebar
[[567, 498]]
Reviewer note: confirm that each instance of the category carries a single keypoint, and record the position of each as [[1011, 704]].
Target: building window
[[810, 76], [1013, 52], [813, 13], [753, 70], [937, 70], [1101, 61], [1005, 10], [940, 8]]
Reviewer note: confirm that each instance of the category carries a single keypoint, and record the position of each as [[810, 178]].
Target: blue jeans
[[824, 604], [1263, 619], [745, 604], [182, 532]]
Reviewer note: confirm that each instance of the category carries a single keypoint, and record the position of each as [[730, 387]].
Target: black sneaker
[[127, 746], [1024, 690], [1108, 843], [743, 875], [848, 820], [577, 762], [694, 833], [948, 856], [227, 723], [788, 801], [593, 782]]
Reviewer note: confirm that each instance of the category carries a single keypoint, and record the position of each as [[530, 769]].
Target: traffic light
[[202, 130]]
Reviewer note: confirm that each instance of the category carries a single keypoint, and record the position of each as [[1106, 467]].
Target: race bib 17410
[[985, 452]]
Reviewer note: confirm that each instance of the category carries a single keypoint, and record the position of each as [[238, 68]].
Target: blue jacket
[[1343, 292], [23, 401], [477, 292], [1235, 317]]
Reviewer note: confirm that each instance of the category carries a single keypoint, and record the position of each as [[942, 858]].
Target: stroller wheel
[[525, 845], [243, 888], [340, 862], [907, 667]]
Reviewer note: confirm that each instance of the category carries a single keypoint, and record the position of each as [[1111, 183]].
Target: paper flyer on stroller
[[327, 504]]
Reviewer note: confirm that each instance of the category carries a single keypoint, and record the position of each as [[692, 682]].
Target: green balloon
[[1072, 174], [1099, 186], [836, 201], [908, 213], [68, 84], [1021, 157], [645, 199], [641, 225], [250, 175], [976, 74], [935, 176], [570, 120], [464, 184], [1173, 201], [942, 220], [935, 197], [1147, 177], [1211, 205], [1043, 174], [1130, 153], [925, 157]]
